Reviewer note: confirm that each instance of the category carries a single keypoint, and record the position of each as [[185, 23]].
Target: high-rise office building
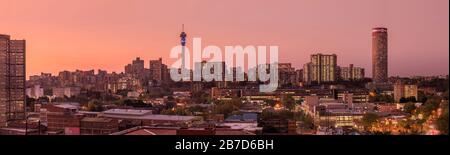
[[379, 55], [138, 65], [323, 68], [136, 68], [307, 72], [402, 90], [351, 73], [159, 72], [299, 75], [286, 74], [199, 68], [156, 70], [12, 79]]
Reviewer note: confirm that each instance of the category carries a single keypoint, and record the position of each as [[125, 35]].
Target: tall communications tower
[[183, 36]]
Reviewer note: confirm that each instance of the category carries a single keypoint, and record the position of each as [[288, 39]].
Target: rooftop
[[146, 130], [242, 126], [233, 132], [379, 29], [89, 112], [127, 112], [4, 36], [150, 130], [149, 117], [96, 119], [66, 106]]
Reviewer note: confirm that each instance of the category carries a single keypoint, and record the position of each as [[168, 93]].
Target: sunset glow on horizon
[[107, 35]]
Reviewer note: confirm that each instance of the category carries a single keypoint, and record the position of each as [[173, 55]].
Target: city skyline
[[119, 36], [240, 72]]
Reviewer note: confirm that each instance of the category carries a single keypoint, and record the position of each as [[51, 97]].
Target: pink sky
[[108, 34]]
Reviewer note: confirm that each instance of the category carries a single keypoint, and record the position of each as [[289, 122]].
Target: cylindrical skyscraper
[[379, 55]]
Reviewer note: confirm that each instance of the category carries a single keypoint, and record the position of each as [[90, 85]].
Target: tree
[[421, 97], [175, 111], [288, 102], [429, 106], [403, 100], [48, 92], [442, 121], [43, 99], [369, 120], [236, 102], [438, 83], [282, 114], [387, 98], [201, 97], [58, 99], [445, 95], [118, 102], [411, 99], [30, 101], [223, 108], [409, 108], [381, 98], [382, 133], [95, 105], [227, 107], [194, 109], [122, 92], [306, 120], [406, 125], [408, 99], [136, 103], [270, 102]]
